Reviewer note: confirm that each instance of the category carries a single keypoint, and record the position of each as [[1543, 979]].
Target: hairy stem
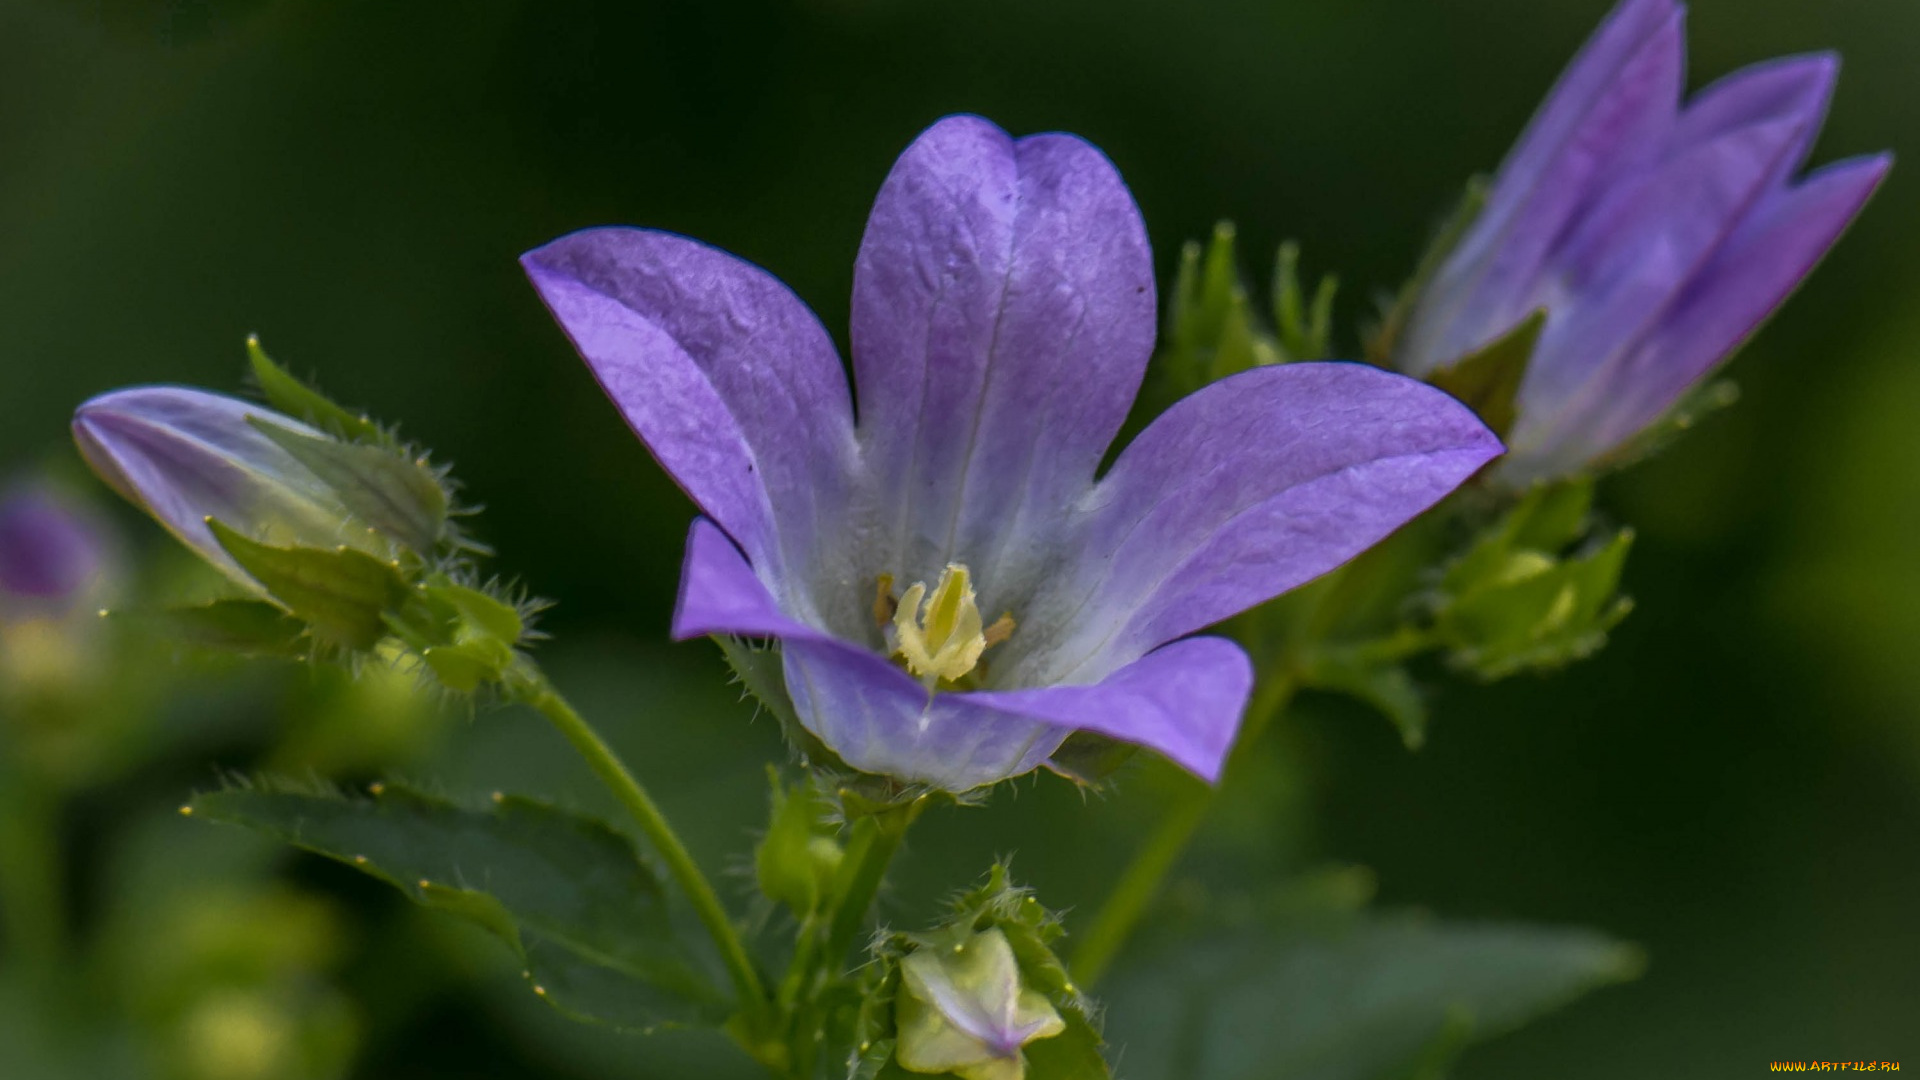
[[1140, 882]]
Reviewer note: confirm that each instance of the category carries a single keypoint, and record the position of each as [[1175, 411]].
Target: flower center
[[941, 637]]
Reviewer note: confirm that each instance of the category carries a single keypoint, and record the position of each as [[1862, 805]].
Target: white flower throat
[[940, 637]]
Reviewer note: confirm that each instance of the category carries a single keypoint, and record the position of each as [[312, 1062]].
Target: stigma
[[941, 637]]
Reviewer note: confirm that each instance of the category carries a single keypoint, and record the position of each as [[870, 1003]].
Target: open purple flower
[[1003, 314], [1655, 236]]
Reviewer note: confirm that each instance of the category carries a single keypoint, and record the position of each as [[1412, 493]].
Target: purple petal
[[186, 455], [720, 369], [1185, 700], [1609, 117], [1256, 484], [871, 713], [1633, 255], [1794, 89], [1003, 314], [1775, 248]]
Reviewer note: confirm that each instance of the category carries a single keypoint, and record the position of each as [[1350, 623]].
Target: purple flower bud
[[1655, 236], [186, 456], [52, 554]]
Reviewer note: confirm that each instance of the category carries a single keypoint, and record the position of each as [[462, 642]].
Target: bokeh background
[[1734, 783]]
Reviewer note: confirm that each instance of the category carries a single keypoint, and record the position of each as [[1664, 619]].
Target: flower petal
[[1632, 257], [1792, 88], [1256, 484], [871, 713], [721, 370], [1003, 314], [1185, 700], [1774, 249], [1608, 117]]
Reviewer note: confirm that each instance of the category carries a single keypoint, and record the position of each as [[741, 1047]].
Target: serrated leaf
[[247, 627], [568, 892], [398, 496], [1488, 381], [1362, 1000], [302, 402], [342, 595]]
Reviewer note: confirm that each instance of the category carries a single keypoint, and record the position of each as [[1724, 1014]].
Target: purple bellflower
[[186, 456], [954, 589], [1655, 236]]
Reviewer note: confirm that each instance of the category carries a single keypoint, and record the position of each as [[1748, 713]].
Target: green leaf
[[398, 496], [247, 627], [303, 402], [342, 595], [568, 893], [1362, 999], [1489, 380]]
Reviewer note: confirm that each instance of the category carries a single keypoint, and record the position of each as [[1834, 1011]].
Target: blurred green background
[[1734, 783]]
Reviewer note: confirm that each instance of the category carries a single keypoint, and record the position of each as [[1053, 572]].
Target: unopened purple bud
[[187, 457], [51, 553]]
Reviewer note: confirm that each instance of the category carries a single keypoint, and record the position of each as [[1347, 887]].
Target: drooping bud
[[965, 1010], [189, 457]]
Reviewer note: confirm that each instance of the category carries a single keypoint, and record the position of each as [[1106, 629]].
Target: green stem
[[1140, 882], [754, 1005]]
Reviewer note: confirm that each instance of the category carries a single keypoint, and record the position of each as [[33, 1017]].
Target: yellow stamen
[[1001, 630], [946, 639]]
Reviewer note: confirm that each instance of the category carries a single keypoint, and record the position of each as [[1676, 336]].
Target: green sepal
[[247, 627], [1488, 381], [342, 595], [1355, 995], [798, 860], [398, 496], [1305, 327], [1211, 332], [569, 894], [467, 636], [1519, 599], [1384, 338], [302, 402]]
